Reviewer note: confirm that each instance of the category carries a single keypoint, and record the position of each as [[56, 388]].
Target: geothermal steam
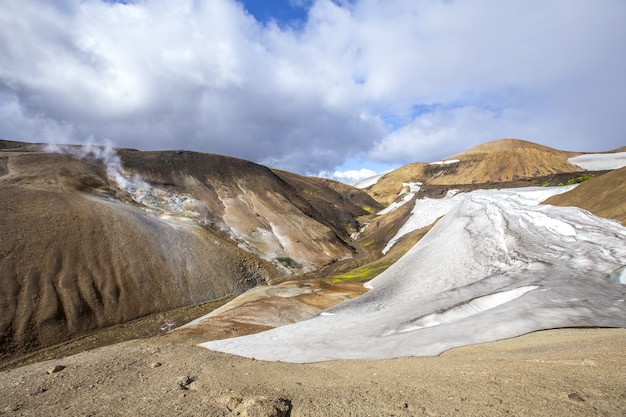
[[136, 187]]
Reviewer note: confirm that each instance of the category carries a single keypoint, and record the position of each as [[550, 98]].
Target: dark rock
[[55, 369], [184, 381], [574, 396], [39, 390]]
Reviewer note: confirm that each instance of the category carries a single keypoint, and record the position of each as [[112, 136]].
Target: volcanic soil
[[573, 372]]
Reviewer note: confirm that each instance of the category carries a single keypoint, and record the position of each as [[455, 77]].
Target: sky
[[343, 89]]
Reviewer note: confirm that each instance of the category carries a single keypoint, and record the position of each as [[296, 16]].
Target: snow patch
[[356, 235], [619, 275], [600, 161], [427, 210], [446, 162], [413, 188], [368, 182]]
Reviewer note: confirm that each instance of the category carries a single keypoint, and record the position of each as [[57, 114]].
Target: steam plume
[[135, 186]]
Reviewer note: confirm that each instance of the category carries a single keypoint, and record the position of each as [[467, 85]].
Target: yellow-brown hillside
[[603, 196], [498, 161]]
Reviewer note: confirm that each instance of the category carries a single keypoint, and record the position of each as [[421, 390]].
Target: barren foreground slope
[[573, 372]]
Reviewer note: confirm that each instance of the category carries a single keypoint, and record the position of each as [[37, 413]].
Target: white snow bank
[[496, 266], [600, 161], [413, 187], [368, 182], [446, 162], [427, 210]]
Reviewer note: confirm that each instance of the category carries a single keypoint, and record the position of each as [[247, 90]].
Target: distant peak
[[503, 145]]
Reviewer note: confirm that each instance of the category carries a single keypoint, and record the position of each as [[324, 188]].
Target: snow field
[[600, 161], [497, 265], [427, 210]]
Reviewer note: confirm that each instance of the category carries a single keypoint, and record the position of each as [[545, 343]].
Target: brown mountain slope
[[603, 196], [81, 250], [390, 185], [498, 161], [73, 261], [75, 265], [327, 196], [505, 160], [265, 214]]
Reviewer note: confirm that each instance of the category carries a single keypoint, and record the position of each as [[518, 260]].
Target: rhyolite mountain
[[503, 161], [96, 237]]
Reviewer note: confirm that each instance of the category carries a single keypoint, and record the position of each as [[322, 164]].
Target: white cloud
[[351, 176], [397, 81], [438, 133]]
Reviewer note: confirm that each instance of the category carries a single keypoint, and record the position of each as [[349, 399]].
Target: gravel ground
[[573, 372]]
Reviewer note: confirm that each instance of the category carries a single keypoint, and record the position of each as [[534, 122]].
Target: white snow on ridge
[[427, 210], [600, 161], [496, 266], [446, 162]]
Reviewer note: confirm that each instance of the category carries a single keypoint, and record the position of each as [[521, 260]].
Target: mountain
[[499, 161], [93, 237]]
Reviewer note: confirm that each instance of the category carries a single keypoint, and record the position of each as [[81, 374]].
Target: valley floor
[[574, 372]]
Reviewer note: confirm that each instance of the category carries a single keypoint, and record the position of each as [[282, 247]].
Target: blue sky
[[340, 88], [284, 12]]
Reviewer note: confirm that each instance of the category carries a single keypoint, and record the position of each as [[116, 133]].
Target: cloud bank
[[389, 82]]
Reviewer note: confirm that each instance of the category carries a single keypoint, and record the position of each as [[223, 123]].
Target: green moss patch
[[580, 179], [362, 274]]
